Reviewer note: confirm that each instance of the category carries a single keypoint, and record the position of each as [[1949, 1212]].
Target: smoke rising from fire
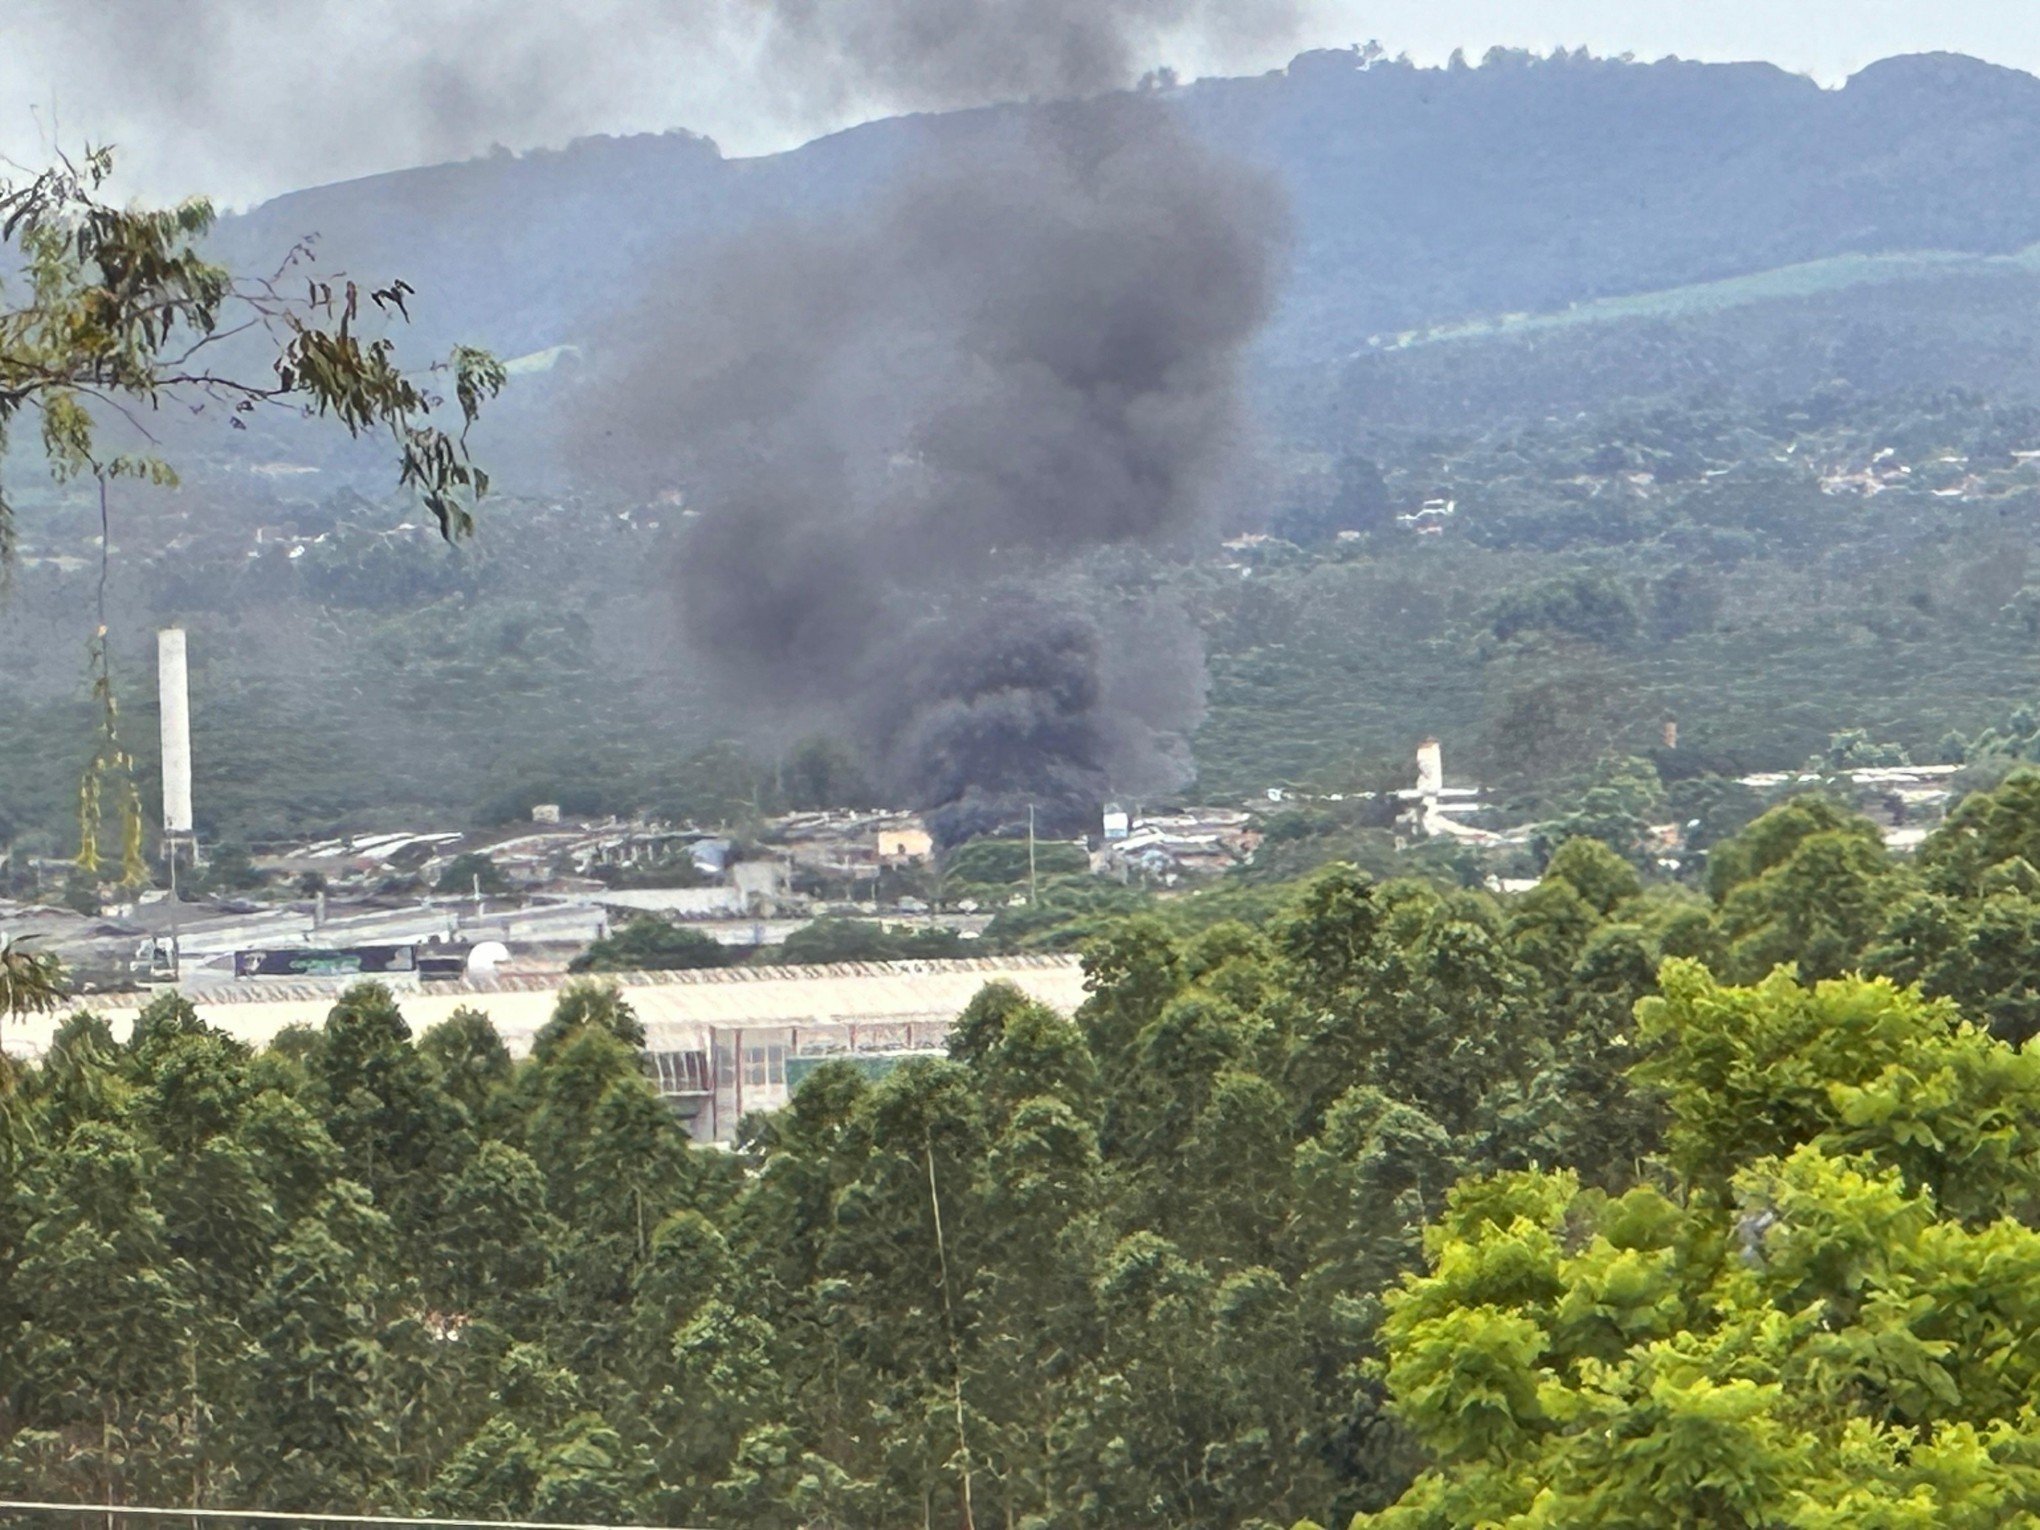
[[242, 100], [952, 53], [902, 431]]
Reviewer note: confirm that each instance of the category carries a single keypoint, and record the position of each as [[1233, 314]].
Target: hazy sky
[[244, 98]]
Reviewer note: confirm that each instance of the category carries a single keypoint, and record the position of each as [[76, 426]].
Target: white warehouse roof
[[679, 1004]]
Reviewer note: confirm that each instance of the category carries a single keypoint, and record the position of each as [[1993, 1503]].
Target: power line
[[280, 1516]]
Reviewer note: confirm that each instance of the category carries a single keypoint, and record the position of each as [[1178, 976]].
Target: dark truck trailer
[[350, 961], [440, 963]]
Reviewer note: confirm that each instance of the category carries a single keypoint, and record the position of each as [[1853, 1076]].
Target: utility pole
[[1030, 855]]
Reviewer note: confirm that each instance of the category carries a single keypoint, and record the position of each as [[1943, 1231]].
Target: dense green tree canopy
[[865, 940], [1824, 1316], [119, 309], [1384, 1199], [651, 944]]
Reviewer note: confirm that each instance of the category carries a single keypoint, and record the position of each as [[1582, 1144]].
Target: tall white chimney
[[1430, 768], [174, 702]]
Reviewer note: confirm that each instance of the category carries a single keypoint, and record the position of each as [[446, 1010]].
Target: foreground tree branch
[[116, 312], [120, 313]]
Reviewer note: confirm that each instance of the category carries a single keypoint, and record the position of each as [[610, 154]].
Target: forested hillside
[[1399, 1201], [1768, 574], [1419, 196], [1673, 399]]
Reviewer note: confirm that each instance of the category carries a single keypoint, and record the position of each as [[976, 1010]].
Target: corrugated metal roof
[[857, 992]]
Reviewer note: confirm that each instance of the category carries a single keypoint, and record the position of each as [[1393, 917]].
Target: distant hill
[[1421, 197], [1642, 323]]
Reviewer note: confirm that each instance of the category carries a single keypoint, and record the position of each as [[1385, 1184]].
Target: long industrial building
[[721, 1043]]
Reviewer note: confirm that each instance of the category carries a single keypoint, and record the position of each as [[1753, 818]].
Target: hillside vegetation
[[1644, 398], [1419, 196]]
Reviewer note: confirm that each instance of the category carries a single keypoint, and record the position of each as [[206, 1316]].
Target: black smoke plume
[[933, 54], [901, 433], [245, 96]]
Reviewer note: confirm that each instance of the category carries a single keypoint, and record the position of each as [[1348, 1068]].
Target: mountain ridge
[[1421, 196]]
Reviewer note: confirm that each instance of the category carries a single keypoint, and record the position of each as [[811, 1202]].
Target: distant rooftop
[[845, 993]]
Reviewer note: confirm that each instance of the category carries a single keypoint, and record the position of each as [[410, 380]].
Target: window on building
[[681, 1072], [764, 1064]]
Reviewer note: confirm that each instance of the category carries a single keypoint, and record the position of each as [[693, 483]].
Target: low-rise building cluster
[[1168, 847]]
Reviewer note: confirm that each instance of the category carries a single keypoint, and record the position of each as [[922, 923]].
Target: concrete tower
[[174, 702], [1430, 768]]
